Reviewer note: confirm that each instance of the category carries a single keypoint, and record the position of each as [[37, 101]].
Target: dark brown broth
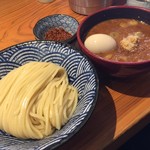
[[122, 28]]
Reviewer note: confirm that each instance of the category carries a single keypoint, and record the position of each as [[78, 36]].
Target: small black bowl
[[68, 23]]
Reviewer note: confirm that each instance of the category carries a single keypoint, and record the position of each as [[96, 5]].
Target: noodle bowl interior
[[132, 38], [37, 100]]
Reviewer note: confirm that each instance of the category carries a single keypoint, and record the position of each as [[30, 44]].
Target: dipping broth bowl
[[110, 67]]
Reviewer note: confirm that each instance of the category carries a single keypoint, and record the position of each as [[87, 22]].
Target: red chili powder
[[57, 34]]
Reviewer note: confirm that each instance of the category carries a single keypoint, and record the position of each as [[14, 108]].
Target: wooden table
[[123, 107]]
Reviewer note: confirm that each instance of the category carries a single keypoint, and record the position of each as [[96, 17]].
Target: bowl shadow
[[137, 86], [99, 130]]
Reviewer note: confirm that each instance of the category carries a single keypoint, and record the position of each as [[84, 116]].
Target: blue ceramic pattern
[[81, 74], [68, 23]]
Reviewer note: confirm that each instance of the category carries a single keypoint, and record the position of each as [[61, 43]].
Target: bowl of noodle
[[51, 91]]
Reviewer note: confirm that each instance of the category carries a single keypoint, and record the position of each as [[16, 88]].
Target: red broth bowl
[[110, 67]]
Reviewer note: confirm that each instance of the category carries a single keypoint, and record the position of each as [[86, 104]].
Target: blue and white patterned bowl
[[66, 22], [81, 74]]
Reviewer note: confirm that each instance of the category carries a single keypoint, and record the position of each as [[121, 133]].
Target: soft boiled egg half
[[100, 43]]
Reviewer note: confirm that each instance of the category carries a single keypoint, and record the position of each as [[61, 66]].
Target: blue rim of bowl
[[94, 56], [73, 37], [96, 90]]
